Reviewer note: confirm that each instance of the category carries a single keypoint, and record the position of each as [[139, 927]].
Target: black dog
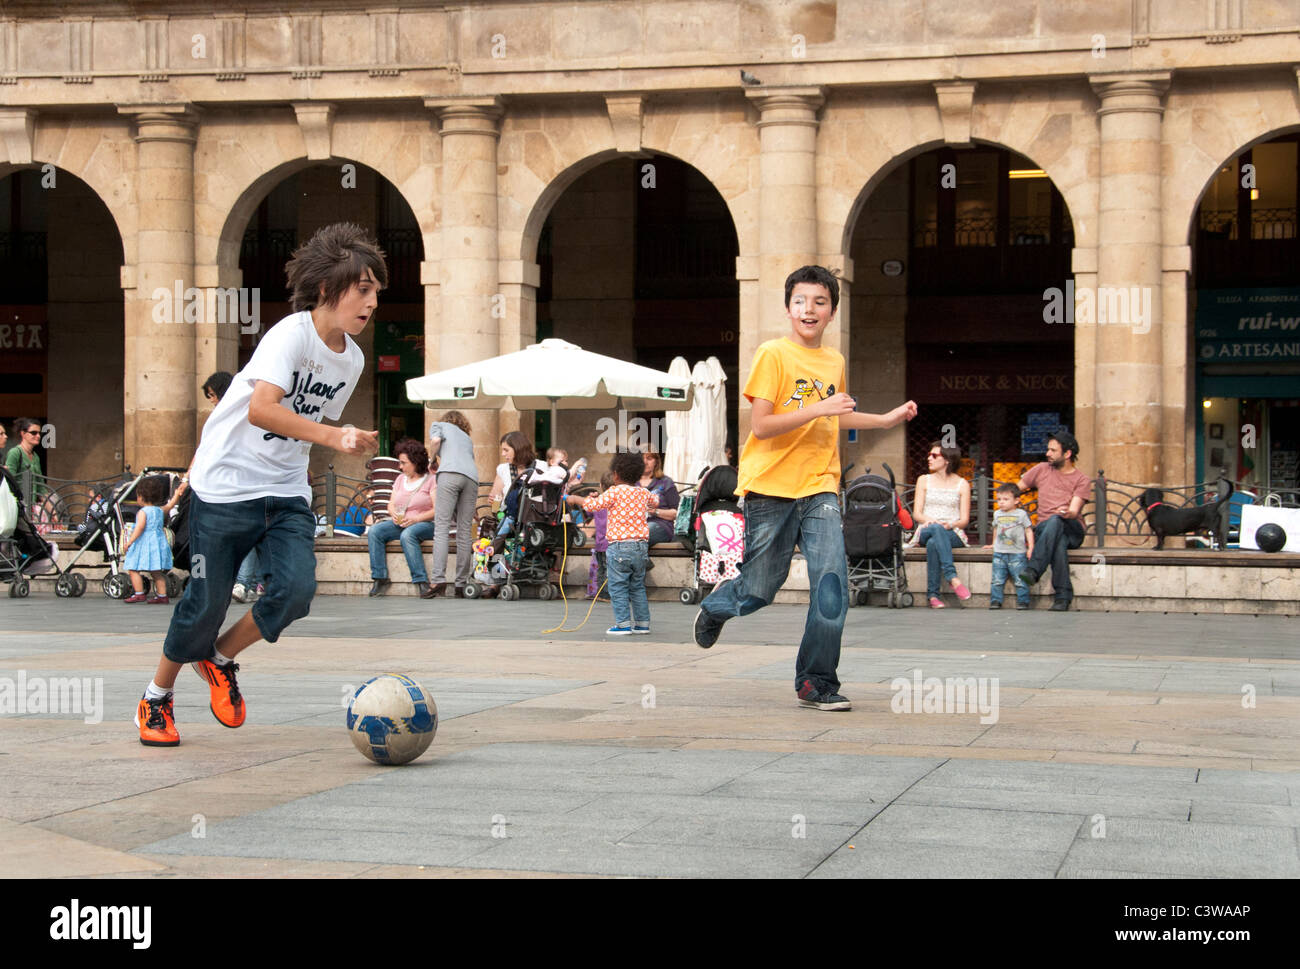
[[1165, 520]]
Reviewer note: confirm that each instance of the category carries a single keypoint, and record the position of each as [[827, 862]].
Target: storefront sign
[[1247, 325]]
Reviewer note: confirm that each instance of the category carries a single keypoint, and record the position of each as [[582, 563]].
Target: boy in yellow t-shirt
[[790, 477]]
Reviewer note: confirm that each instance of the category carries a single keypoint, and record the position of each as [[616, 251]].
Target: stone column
[[1129, 428], [160, 386], [1178, 435], [787, 234], [467, 329]]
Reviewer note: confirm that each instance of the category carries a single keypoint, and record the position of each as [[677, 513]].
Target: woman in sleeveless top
[[942, 510]]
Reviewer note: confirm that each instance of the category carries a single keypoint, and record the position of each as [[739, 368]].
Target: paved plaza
[[1121, 745]]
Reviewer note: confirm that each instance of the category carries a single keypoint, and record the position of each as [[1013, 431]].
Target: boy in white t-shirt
[[249, 477]]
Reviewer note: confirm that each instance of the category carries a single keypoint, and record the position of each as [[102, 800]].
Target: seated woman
[[516, 455], [941, 510], [411, 510], [661, 486]]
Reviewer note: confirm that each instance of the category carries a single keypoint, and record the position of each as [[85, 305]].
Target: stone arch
[[239, 161], [106, 164], [1054, 128], [545, 150], [1209, 119]]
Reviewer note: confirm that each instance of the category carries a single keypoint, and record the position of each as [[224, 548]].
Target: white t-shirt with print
[[237, 461]]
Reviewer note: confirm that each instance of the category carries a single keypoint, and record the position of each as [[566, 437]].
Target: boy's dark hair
[[335, 258], [629, 466], [523, 448], [218, 383], [813, 274], [414, 450], [1009, 488], [1067, 442]]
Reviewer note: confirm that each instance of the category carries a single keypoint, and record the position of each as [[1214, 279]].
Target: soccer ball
[[391, 719]]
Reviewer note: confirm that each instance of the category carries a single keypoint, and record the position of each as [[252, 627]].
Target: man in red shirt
[[1062, 492]]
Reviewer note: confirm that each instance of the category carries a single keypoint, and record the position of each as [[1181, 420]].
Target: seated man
[[1062, 491]]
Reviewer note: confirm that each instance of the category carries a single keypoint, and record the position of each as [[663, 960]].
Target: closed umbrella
[[718, 419], [677, 425]]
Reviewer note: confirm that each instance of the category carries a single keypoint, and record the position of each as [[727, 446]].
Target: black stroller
[[873, 540], [102, 532], [531, 555], [716, 512], [23, 553]]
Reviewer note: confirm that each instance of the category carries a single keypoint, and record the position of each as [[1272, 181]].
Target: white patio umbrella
[[718, 424], [554, 374], [677, 425]]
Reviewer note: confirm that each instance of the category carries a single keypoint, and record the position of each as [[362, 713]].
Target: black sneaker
[[1022, 605], [380, 587], [707, 628], [995, 605], [1061, 605], [810, 697]]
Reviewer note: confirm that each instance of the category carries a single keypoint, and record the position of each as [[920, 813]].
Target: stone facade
[[484, 115]]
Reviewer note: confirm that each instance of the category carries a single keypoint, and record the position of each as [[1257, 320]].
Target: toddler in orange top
[[628, 534]]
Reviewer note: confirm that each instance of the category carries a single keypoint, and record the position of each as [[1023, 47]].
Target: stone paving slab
[[567, 753]]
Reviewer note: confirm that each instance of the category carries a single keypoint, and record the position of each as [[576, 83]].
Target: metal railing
[[1114, 513]]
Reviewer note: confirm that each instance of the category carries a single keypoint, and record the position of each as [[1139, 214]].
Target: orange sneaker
[[226, 703], [157, 723]]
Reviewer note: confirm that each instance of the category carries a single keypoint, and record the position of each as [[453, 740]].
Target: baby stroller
[[715, 533], [22, 551], [531, 553], [873, 539], [103, 531]]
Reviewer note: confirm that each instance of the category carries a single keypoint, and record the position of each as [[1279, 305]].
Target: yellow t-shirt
[[805, 461]]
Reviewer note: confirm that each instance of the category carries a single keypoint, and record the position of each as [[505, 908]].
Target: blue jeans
[[772, 526], [411, 536], [939, 543], [247, 576], [1012, 564], [1053, 540], [221, 535], [625, 563]]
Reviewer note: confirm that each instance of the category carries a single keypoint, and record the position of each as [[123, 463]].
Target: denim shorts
[[283, 530]]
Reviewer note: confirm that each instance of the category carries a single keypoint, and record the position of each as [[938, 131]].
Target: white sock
[[155, 692], [221, 660]]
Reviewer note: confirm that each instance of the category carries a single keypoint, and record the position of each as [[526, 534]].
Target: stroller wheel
[[116, 586], [65, 586], [173, 585], [20, 589], [473, 590], [577, 537], [80, 581], [907, 600], [508, 593], [544, 591]]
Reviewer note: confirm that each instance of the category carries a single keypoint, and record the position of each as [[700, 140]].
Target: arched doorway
[[953, 252], [638, 261], [62, 349], [1244, 299], [288, 215]]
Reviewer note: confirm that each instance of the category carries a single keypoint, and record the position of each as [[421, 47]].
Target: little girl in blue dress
[[147, 549]]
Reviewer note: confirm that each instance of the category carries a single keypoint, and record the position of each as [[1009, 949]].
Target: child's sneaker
[[137, 597], [619, 631], [157, 723], [226, 703], [810, 696]]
